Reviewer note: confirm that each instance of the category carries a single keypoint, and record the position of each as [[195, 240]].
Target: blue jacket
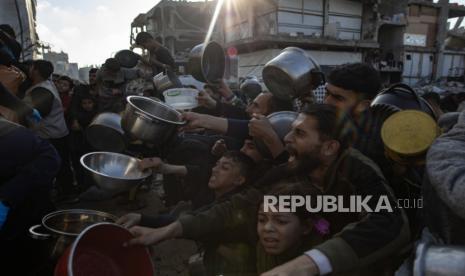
[[28, 165]]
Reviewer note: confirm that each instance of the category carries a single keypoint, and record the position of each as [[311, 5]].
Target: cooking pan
[[60, 228], [127, 58], [400, 97], [99, 250], [106, 134], [281, 122], [292, 73], [150, 121], [207, 62]]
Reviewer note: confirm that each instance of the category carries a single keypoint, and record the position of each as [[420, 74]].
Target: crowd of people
[[215, 163]]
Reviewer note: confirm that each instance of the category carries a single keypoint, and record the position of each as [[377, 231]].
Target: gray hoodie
[[446, 167]]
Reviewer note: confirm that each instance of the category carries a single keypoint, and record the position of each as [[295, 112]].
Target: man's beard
[[304, 163]]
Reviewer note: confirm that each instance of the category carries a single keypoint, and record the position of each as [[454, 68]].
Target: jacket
[[358, 243], [444, 188]]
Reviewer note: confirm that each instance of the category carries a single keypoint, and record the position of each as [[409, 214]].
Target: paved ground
[[170, 257]]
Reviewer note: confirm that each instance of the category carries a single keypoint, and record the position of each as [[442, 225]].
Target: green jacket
[[358, 241]]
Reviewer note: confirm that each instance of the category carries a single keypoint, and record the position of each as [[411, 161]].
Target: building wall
[[294, 17], [453, 66], [23, 23], [417, 66]]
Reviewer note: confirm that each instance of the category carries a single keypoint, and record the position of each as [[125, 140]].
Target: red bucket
[[99, 250]]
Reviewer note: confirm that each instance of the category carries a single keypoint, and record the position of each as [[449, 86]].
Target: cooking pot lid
[[409, 132], [71, 222], [99, 250]]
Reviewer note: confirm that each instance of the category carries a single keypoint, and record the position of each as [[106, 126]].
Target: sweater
[[367, 239]]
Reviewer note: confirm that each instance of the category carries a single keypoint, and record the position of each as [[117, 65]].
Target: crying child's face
[[278, 231]]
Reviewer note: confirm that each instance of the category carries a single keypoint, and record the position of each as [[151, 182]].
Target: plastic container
[[181, 98]]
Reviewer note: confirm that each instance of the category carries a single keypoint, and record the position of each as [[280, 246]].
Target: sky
[[90, 31]]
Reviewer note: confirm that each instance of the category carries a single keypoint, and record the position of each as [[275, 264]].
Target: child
[[229, 176], [81, 118], [285, 236]]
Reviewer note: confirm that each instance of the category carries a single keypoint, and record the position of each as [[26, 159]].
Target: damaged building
[[178, 25], [406, 40]]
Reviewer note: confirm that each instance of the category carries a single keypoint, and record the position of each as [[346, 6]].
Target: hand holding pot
[[224, 90], [206, 100], [129, 220], [260, 128], [154, 163], [219, 148]]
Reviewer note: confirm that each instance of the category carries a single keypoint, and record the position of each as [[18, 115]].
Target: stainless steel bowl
[[105, 133], [60, 228], [113, 171], [281, 122], [150, 121]]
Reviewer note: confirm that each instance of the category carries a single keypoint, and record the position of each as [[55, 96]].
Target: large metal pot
[[435, 260], [281, 122], [127, 58], [60, 228], [150, 121], [292, 73], [98, 250], [400, 97], [114, 172], [106, 134], [207, 62]]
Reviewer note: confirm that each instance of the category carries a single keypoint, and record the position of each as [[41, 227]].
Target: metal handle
[[36, 235]]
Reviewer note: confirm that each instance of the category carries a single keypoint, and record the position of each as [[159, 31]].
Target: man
[[160, 57], [319, 156], [28, 165], [112, 81], [44, 97], [351, 88]]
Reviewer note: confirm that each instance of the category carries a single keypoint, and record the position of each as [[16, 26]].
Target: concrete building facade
[[61, 64], [21, 15], [406, 40]]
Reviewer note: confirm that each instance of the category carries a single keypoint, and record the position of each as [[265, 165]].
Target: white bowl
[[181, 98]]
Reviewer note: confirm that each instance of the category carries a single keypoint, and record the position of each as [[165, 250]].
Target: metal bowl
[[281, 122], [150, 121], [113, 171], [105, 133]]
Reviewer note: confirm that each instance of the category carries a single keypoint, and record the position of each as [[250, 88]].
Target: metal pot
[[400, 97], [114, 172], [98, 250], [150, 121], [292, 73], [106, 134], [439, 260], [207, 63], [62, 227], [281, 122], [127, 58]]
